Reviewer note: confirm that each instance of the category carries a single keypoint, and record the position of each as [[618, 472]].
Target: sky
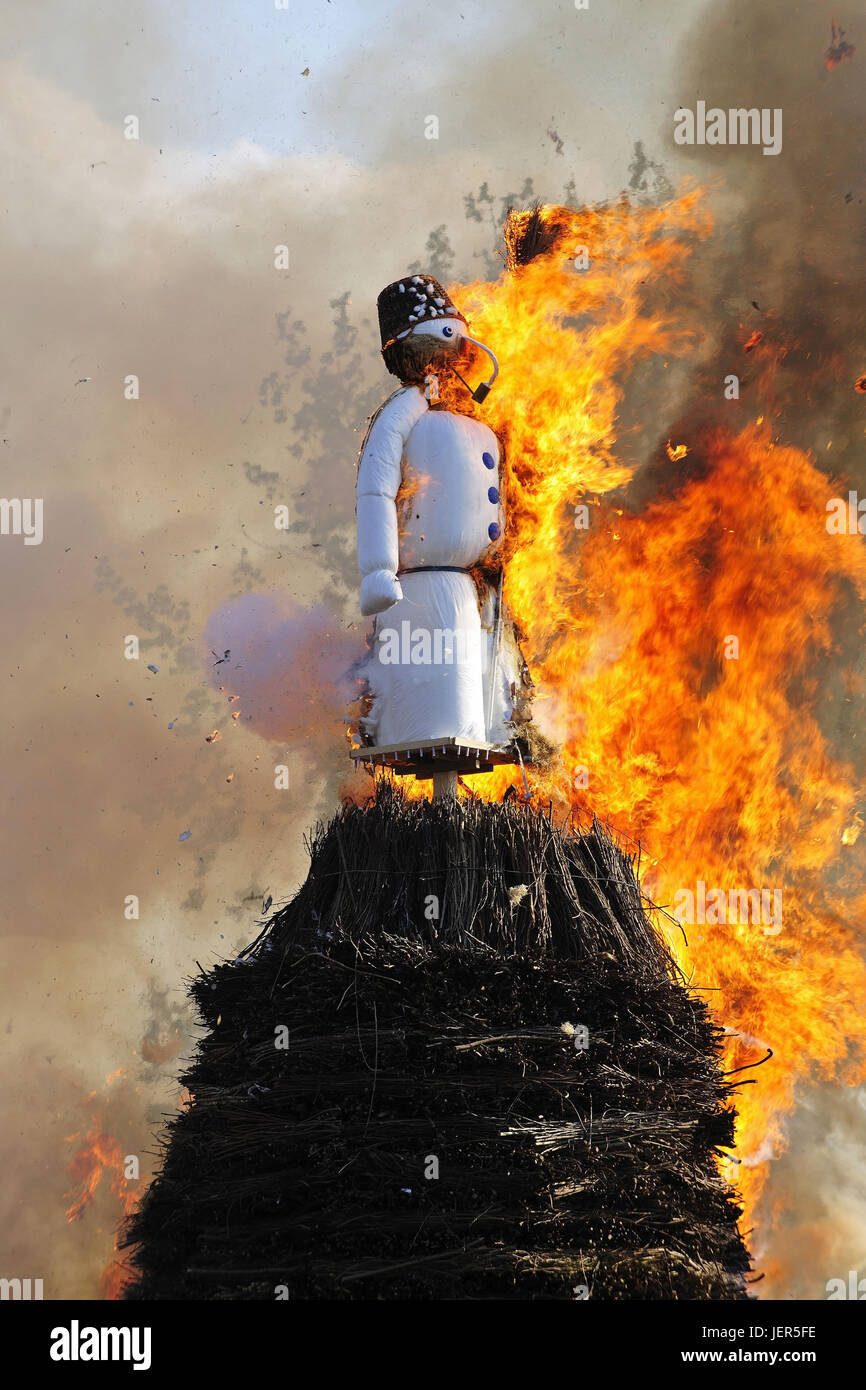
[[227, 73], [154, 258]]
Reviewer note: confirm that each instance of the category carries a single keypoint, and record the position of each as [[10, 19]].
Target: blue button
[[488, 460], [493, 494], [493, 530]]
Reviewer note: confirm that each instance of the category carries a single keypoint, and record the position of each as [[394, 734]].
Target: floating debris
[[839, 49]]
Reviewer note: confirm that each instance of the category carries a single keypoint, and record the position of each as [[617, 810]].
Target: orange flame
[[99, 1153], [675, 651]]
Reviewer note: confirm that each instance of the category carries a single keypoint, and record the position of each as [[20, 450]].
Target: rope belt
[[437, 569]]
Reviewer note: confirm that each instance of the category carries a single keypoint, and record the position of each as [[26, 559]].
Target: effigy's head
[[422, 329]]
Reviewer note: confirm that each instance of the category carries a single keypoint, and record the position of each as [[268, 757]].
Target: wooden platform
[[424, 759]]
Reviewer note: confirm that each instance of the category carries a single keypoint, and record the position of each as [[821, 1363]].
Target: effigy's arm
[[379, 477]]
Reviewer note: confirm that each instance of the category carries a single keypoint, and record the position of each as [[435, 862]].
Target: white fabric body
[[423, 690], [379, 478], [428, 494]]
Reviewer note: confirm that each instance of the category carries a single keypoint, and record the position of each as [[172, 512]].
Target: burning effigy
[[446, 684]]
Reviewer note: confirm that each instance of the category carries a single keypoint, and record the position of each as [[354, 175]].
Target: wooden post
[[444, 786]]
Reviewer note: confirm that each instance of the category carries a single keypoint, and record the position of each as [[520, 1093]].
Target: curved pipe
[[483, 390]]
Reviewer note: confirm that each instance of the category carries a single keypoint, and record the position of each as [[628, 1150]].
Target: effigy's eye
[[447, 330]]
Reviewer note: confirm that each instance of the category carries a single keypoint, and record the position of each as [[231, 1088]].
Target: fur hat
[[414, 299]]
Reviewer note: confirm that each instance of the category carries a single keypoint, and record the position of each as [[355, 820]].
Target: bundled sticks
[[458, 1064]]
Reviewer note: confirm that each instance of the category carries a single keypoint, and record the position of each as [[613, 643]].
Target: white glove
[[380, 590]]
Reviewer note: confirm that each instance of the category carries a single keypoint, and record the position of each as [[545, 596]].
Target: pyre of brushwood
[[563, 1171]]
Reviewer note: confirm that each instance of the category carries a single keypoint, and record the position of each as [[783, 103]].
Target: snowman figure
[[444, 659]]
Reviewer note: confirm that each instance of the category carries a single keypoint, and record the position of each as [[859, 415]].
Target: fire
[[99, 1154], [675, 649]]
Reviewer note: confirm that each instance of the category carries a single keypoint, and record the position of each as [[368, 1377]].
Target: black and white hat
[[414, 300]]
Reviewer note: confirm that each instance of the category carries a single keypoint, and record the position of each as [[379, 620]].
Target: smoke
[[793, 231], [288, 668], [814, 1226]]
